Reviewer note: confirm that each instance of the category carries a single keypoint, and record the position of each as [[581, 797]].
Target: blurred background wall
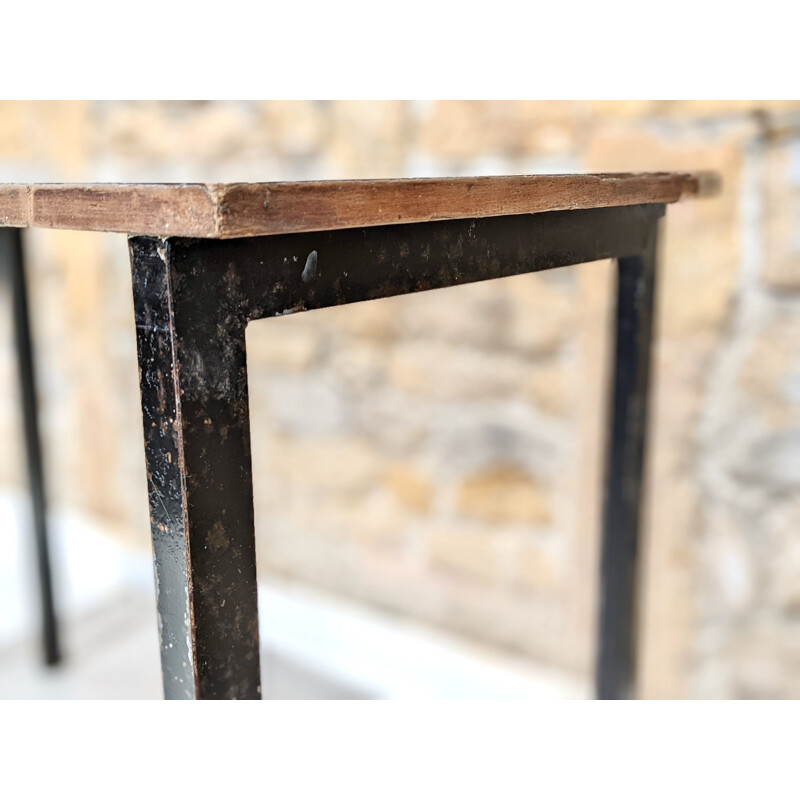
[[440, 455]]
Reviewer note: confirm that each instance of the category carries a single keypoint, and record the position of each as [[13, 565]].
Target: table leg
[[12, 258], [624, 475], [193, 300], [193, 381]]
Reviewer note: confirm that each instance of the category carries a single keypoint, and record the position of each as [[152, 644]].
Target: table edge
[[238, 210]]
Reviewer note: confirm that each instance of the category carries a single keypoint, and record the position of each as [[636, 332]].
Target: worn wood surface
[[223, 211]]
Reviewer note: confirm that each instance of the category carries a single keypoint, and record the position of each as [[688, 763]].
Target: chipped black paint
[[197, 444], [310, 269], [194, 298], [157, 380], [263, 276]]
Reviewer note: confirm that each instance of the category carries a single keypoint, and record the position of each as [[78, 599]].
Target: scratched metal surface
[[161, 442], [274, 275], [194, 299], [197, 442]]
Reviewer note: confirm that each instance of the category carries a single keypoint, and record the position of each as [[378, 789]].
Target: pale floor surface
[[112, 654], [314, 646]]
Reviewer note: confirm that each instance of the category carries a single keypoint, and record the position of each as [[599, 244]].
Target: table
[[208, 259]]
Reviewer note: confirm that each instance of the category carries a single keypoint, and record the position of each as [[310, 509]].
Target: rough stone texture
[[781, 267], [440, 455]]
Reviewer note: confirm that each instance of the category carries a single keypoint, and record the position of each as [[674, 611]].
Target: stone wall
[[439, 455]]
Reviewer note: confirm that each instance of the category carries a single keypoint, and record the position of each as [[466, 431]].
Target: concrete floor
[[112, 654], [314, 646]]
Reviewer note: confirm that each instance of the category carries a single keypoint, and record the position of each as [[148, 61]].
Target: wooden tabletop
[[220, 211]]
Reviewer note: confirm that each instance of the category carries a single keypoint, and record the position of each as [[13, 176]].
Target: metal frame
[[193, 299], [625, 451], [11, 259]]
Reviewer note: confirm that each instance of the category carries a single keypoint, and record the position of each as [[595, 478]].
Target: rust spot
[[217, 538]]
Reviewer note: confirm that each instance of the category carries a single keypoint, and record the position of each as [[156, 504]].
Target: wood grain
[[221, 211]]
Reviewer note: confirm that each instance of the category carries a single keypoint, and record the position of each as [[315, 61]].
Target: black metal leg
[[197, 442], [12, 257], [624, 475], [193, 299]]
